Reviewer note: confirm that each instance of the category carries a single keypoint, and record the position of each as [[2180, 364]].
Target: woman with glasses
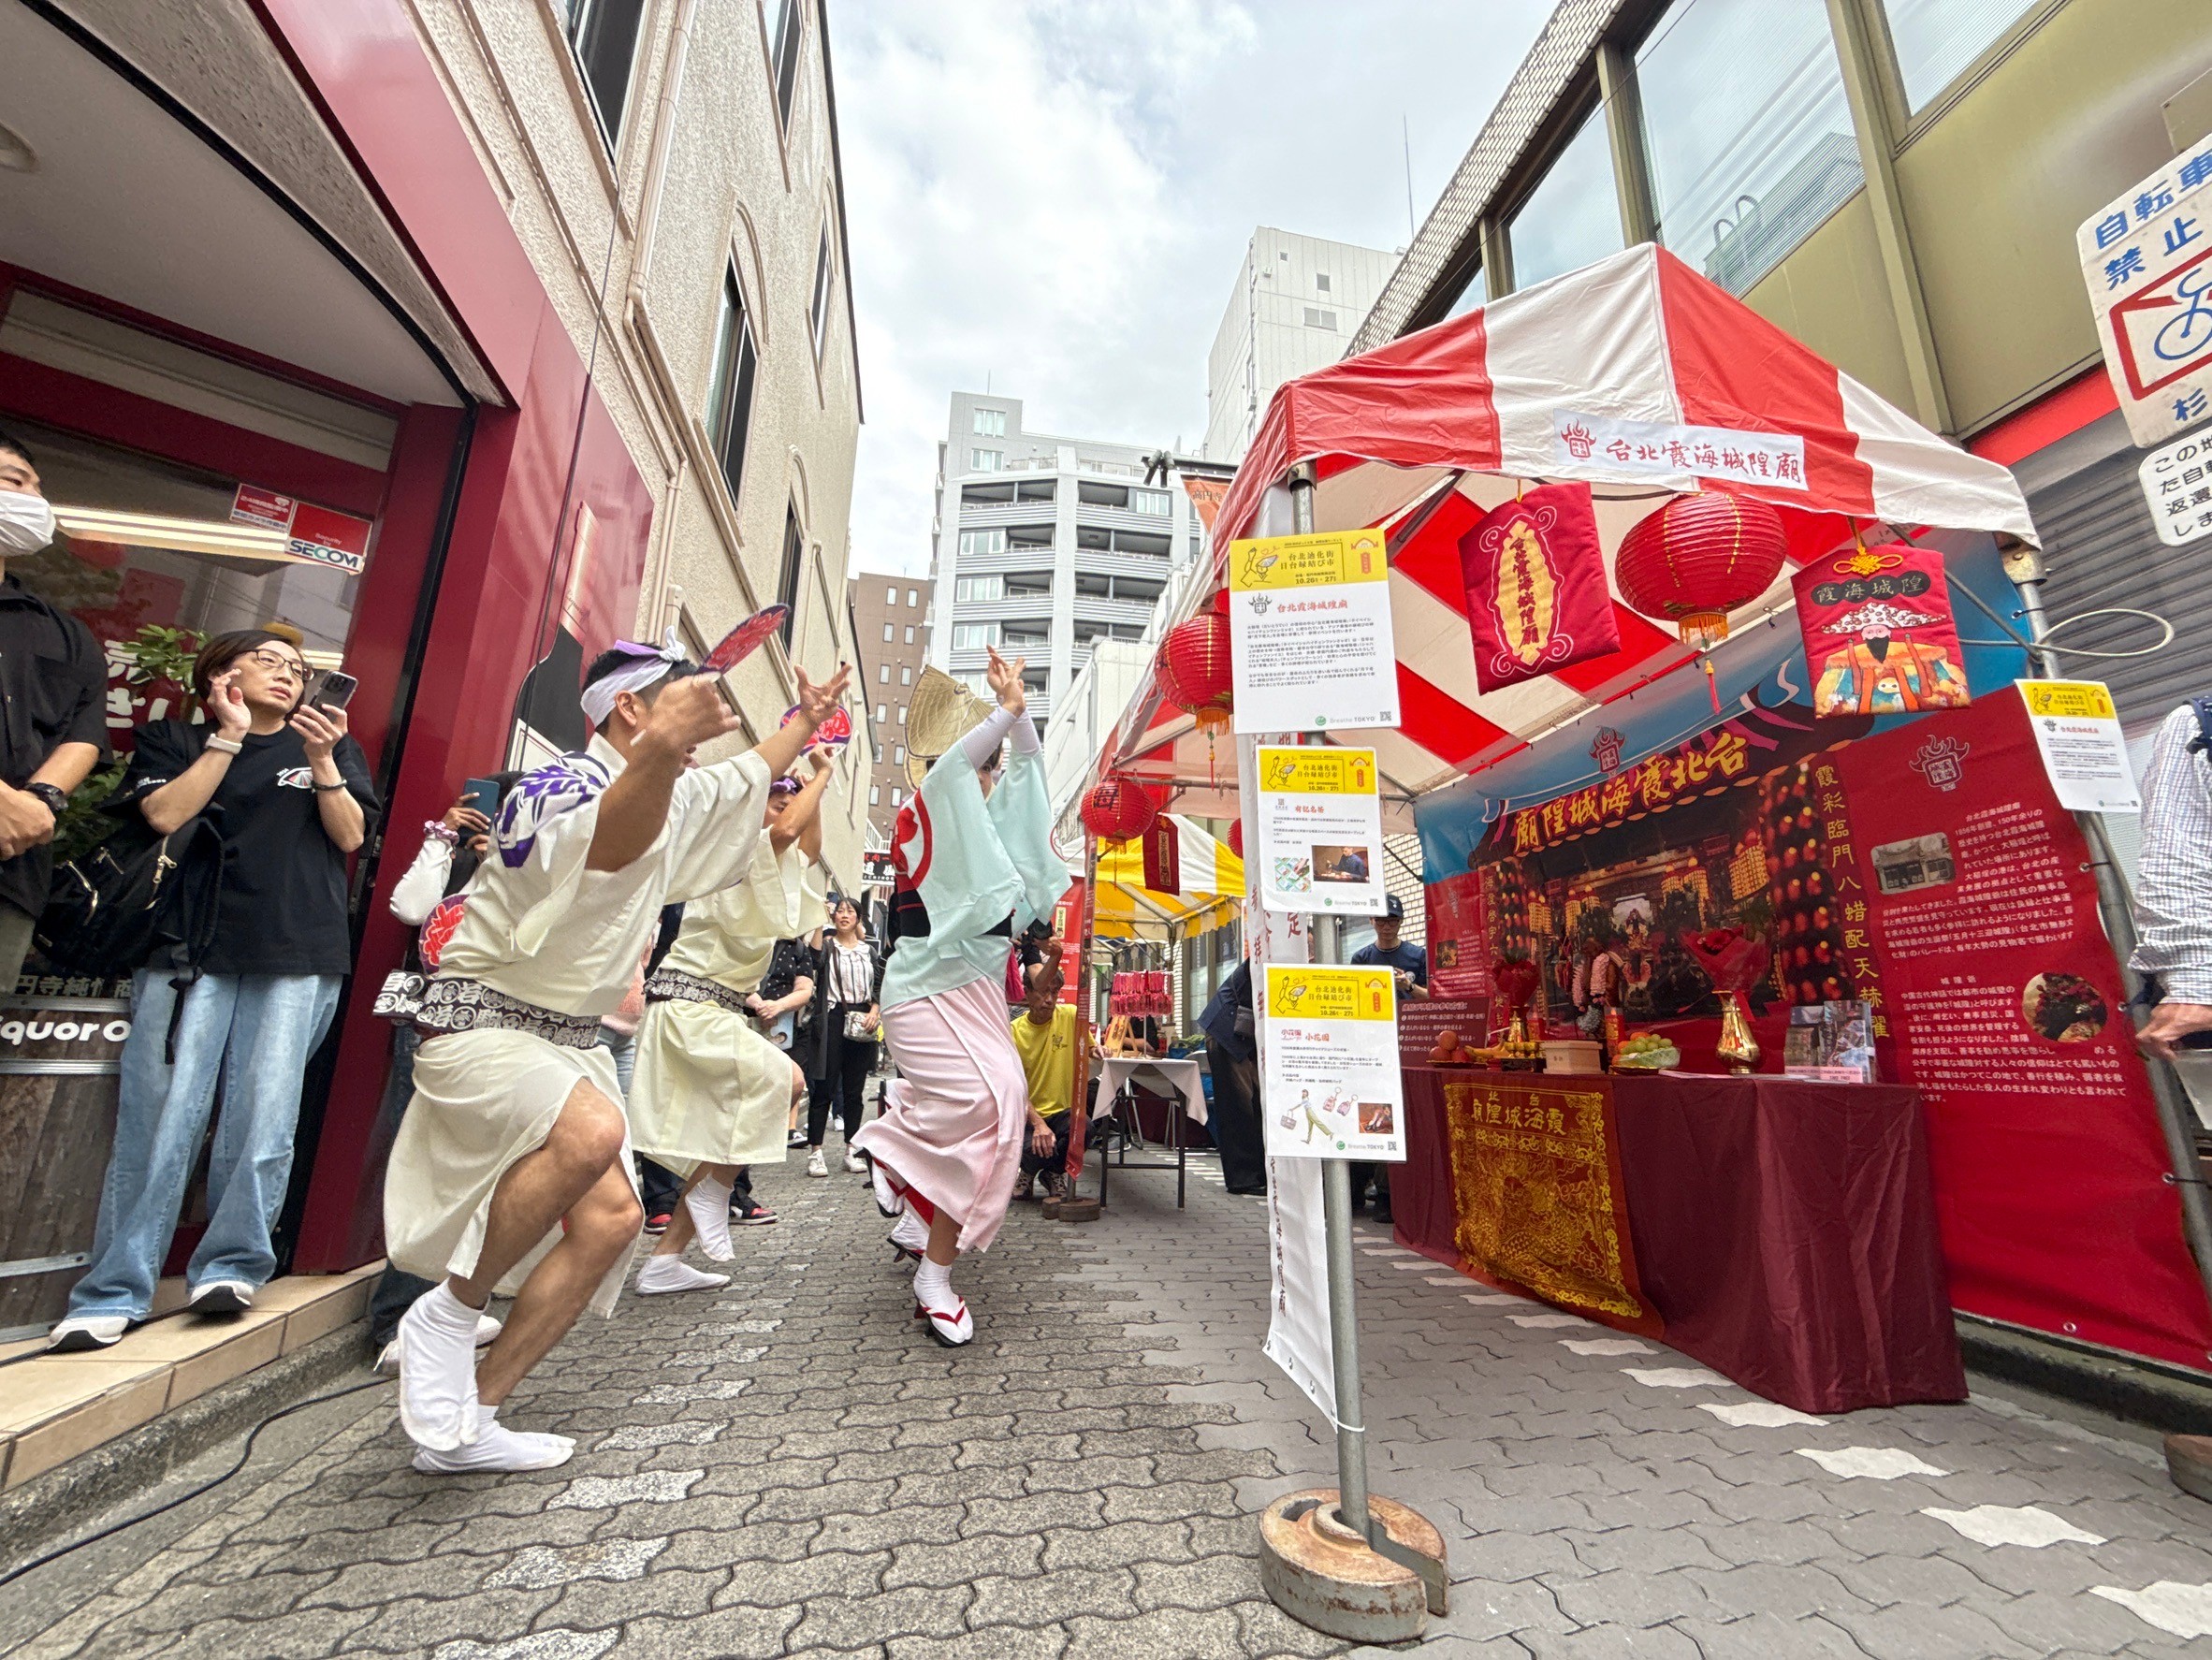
[[852, 972], [289, 792]]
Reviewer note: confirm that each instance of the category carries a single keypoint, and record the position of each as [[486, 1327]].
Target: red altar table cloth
[[1785, 1231]]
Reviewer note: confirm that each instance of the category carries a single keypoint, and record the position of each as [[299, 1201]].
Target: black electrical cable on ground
[[239, 1464]]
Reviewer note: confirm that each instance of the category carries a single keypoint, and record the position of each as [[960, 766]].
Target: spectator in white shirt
[[2174, 886]]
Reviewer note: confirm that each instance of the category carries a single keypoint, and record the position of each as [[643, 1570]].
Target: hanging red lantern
[[1118, 808], [1236, 837], [1192, 669], [1698, 559]]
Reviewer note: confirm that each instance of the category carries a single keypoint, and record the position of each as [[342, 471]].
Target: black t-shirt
[[53, 690], [283, 880]]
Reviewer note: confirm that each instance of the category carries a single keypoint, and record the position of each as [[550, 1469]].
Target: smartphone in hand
[[483, 795], [330, 689]]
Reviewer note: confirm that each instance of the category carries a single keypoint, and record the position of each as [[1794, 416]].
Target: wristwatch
[[51, 795]]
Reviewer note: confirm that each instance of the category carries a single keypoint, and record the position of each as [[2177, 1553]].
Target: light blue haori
[[980, 859]]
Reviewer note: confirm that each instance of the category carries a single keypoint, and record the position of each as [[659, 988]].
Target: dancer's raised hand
[[1005, 681]]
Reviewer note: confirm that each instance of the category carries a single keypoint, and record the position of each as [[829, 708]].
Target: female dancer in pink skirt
[[972, 865]]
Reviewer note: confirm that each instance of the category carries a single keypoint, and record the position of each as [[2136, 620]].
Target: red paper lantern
[[1192, 669], [1698, 559], [1118, 808], [1236, 837]]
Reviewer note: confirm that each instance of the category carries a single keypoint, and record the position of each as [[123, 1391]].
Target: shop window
[[1748, 134], [604, 35], [787, 581], [144, 542], [729, 399], [1573, 215], [1937, 39], [790, 30]]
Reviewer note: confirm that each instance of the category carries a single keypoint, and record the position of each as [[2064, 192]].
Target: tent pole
[[1336, 1221], [1079, 1123], [2177, 1118]]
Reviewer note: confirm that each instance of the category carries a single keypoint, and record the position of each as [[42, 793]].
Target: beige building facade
[[671, 167], [892, 618]]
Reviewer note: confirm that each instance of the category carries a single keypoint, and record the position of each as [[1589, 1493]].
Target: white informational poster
[[1309, 623], [1320, 831], [1298, 1333], [2177, 480], [1329, 1083], [2147, 257], [2078, 731]]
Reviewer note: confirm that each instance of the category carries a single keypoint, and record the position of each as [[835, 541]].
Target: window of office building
[[974, 636], [1935, 40], [913, 597], [729, 394], [824, 281], [1573, 217], [795, 563], [902, 714], [985, 461], [791, 26], [973, 542], [978, 588], [883, 713], [890, 634], [1156, 502], [890, 596], [883, 674], [875, 795], [990, 423], [604, 35], [1748, 134], [897, 796], [909, 633], [1316, 317], [898, 754], [906, 676], [1320, 282]]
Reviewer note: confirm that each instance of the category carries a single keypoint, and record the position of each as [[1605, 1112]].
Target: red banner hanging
[[1880, 638], [1163, 856], [1535, 579]]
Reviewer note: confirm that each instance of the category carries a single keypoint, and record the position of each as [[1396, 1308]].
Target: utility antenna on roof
[[1406, 132]]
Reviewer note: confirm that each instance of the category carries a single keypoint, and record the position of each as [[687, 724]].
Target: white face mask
[[26, 522]]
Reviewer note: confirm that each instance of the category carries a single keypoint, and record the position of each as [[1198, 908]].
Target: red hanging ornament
[[1698, 559], [1118, 808], [1192, 669], [1236, 837]]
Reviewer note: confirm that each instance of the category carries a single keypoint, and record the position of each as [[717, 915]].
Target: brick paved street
[[790, 1468]]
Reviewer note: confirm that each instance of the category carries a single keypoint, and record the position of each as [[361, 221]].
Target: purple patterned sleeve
[[560, 787]]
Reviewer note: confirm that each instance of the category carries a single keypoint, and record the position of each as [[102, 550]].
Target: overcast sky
[[1056, 194]]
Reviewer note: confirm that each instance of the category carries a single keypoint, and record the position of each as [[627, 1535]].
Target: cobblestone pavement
[[788, 1467]]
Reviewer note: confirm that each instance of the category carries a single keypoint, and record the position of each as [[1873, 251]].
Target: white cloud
[[1054, 196]]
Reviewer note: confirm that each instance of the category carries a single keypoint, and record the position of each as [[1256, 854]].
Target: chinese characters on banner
[[1535, 581], [1998, 996], [2177, 483], [1459, 938], [1309, 622], [2077, 732], [1320, 830], [2148, 260], [1878, 634], [1606, 447], [1331, 1086], [1656, 782]]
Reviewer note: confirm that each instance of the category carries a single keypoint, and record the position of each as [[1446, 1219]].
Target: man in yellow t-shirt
[[1044, 1038]]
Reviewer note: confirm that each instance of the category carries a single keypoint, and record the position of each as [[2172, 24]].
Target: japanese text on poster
[[2077, 731], [1310, 628], [1332, 1087], [2176, 481], [2148, 260], [1320, 831]]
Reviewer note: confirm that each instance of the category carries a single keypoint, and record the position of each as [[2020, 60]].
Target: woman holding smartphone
[[289, 792]]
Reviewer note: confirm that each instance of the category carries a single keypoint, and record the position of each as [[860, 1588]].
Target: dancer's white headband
[[652, 664]]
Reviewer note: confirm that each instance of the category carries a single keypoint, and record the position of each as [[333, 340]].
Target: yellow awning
[[1211, 887]]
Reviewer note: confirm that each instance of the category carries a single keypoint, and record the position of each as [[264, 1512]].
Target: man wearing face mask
[[53, 726]]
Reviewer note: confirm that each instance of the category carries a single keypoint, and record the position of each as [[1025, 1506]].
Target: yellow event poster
[[1330, 1082], [2077, 731], [1320, 830], [1309, 621]]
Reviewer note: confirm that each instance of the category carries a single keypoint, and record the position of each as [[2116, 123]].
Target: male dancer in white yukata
[[513, 1161]]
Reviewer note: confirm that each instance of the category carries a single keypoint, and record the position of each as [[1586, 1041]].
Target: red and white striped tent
[[1611, 374]]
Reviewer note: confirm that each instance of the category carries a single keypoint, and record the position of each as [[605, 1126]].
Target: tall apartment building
[[1297, 303], [891, 620], [1043, 545]]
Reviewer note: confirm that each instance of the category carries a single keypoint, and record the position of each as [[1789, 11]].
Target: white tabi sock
[[671, 1272], [912, 1231], [497, 1448], [438, 1369], [709, 1204], [933, 1284]]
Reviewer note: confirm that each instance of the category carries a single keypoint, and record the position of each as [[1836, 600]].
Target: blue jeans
[[255, 1032]]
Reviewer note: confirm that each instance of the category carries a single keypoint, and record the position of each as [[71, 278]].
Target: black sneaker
[[746, 1212], [797, 1139], [656, 1224]]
